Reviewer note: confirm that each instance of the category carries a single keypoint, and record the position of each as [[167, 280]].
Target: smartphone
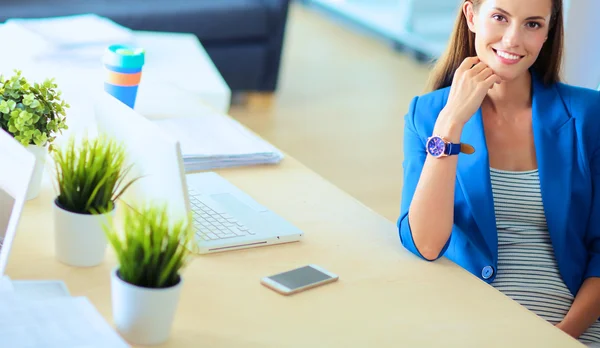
[[299, 279]]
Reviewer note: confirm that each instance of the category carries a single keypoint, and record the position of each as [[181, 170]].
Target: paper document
[[76, 31], [76, 39], [65, 322], [6, 284], [212, 140], [40, 289]]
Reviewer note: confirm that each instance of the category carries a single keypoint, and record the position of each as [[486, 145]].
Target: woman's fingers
[[468, 63], [478, 69], [484, 74], [492, 80]]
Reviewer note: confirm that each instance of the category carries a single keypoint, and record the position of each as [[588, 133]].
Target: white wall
[[582, 47]]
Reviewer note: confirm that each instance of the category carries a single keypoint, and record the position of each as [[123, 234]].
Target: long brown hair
[[462, 45]]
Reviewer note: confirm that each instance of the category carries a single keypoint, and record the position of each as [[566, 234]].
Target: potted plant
[[33, 114], [151, 249], [89, 177]]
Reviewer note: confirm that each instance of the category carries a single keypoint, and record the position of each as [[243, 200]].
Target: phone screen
[[300, 277]]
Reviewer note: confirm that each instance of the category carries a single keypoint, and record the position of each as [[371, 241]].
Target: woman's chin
[[507, 75], [506, 72]]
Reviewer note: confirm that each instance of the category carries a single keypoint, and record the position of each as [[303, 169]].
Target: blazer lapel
[[473, 174], [553, 131]]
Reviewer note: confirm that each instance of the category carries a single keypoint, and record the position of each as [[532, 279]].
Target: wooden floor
[[339, 107]]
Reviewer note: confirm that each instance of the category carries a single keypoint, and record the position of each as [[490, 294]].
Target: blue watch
[[438, 147]]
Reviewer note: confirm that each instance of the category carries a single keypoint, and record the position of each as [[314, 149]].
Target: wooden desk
[[385, 297]]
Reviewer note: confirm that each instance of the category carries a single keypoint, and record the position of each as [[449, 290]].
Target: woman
[[502, 164]]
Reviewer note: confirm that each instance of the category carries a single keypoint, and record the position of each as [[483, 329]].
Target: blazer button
[[487, 272]]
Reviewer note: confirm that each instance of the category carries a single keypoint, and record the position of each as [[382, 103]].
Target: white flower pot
[[40, 153], [79, 239], [143, 316]]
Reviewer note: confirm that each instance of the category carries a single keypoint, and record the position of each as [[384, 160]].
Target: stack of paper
[[47, 317], [57, 323], [76, 38], [212, 140]]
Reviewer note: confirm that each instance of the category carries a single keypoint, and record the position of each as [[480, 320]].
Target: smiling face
[[509, 34]]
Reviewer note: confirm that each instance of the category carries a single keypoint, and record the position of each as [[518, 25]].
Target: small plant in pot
[[152, 248], [33, 114], [90, 176]]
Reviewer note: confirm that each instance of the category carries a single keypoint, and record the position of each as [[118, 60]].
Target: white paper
[[208, 135], [65, 322], [211, 141], [78, 39], [6, 284], [76, 30], [40, 289]]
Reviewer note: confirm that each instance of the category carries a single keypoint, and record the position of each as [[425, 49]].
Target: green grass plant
[[90, 174], [151, 247]]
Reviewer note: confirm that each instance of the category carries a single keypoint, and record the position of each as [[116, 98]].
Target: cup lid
[[124, 56]]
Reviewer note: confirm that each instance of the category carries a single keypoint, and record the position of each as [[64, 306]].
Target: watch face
[[436, 146]]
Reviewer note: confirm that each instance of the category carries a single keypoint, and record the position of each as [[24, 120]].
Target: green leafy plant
[[32, 114], [151, 250], [90, 174]]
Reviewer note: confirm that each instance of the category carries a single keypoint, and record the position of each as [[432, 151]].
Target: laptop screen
[[7, 203], [155, 156], [14, 184]]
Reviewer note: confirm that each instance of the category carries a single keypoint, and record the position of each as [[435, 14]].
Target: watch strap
[[452, 149], [467, 149]]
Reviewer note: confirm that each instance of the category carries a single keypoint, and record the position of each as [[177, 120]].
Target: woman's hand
[[563, 327], [471, 83]]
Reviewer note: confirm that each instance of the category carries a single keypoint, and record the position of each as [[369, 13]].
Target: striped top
[[527, 271]]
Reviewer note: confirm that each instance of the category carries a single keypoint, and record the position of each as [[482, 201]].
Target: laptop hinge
[[237, 246]]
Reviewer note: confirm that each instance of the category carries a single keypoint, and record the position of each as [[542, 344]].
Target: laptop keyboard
[[211, 224]]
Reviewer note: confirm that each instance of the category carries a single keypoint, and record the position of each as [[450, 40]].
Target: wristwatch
[[437, 146]]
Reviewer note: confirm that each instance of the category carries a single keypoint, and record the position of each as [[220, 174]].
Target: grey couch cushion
[[208, 19]]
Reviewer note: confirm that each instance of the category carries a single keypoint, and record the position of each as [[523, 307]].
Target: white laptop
[[225, 218], [14, 184]]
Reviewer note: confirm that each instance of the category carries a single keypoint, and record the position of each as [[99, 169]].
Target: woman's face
[[509, 34]]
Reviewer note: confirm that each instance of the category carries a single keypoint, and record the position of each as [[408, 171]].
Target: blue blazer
[[566, 129]]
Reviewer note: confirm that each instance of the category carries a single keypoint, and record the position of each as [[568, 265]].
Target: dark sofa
[[244, 38]]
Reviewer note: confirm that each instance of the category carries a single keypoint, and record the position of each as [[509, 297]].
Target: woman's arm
[[584, 311], [431, 211], [427, 208]]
